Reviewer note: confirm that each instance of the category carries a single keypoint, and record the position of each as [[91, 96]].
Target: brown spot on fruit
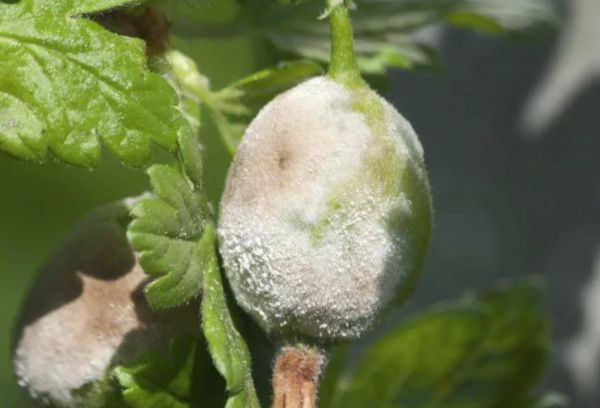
[[283, 161]]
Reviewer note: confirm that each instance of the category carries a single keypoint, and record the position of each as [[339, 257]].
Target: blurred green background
[[506, 205]]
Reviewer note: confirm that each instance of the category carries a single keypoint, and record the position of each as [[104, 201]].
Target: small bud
[[86, 312], [326, 215]]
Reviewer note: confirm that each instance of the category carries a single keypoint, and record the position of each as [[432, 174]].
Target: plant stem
[[343, 67], [296, 377]]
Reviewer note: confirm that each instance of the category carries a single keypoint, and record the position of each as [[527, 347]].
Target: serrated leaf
[[62, 7], [488, 351], [67, 84], [169, 233], [227, 347], [182, 73], [234, 106], [158, 382]]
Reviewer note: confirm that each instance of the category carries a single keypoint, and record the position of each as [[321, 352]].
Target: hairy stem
[[296, 377], [343, 67]]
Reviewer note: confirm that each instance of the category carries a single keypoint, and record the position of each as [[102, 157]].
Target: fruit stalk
[[343, 65], [319, 236], [295, 377]]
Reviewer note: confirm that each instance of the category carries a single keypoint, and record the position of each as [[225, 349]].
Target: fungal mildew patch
[[304, 222], [85, 312]]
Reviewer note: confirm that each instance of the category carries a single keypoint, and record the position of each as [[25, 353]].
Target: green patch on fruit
[[386, 173], [389, 175], [366, 102], [382, 159], [417, 225], [318, 228]]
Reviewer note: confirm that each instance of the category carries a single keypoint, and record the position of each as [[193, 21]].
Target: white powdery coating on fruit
[[294, 259], [408, 144], [73, 345]]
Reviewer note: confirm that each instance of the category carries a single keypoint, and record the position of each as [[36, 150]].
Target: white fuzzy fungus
[[85, 313], [306, 218], [73, 345]]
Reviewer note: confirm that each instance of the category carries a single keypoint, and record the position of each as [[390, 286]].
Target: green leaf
[[388, 33], [234, 107], [260, 87], [328, 384], [157, 382], [227, 347], [182, 73], [474, 21], [487, 351], [383, 35], [62, 7], [200, 11], [503, 16], [67, 84], [168, 230], [170, 235]]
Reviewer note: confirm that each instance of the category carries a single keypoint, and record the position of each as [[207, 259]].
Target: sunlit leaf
[[169, 233], [67, 85]]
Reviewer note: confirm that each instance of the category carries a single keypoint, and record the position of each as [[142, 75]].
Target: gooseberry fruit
[[326, 214], [85, 313]]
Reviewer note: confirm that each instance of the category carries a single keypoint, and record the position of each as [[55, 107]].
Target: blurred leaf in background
[[56, 65], [487, 350], [387, 31], [575, 64], [157, 381]]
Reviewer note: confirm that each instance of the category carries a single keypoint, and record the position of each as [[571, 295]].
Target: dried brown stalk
[[296, 377]]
